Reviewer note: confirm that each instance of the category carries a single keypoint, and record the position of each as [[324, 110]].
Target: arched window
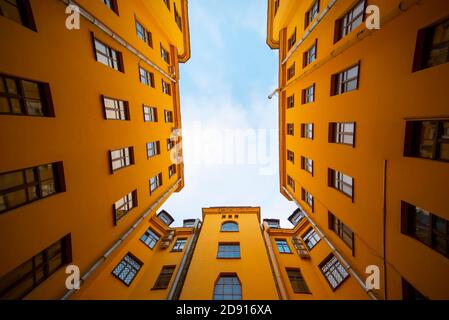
[[228, 287], [229, 226]]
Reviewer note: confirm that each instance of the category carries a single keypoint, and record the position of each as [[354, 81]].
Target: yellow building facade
[[364, 118], [87, 117]]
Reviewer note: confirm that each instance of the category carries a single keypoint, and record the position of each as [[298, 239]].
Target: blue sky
[[224, 88]]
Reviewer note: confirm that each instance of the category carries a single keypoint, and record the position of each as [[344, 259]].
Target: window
[[165, 217], [290, 129], [164, 278], [333, 271], [342, 133], [308, 94], [291, 156], [291, 101], [297, 281], [150, 238], [426, 227], [155, 182], [410, 293], [167, 3], [345, 81], [310, 55], [149, 114], [432, 46], [170, 143], [291, 183], [229, 227], [146, 77], [25, 97], [179, 245], [125, 205], [307, 198], [312, 13], [168, 116], [307, 130], [228, 287], [341, 182], [165, 55], [144, 34], [108, 56], [427, 139], [296, 217], [171, 170], [19, 282], [111, 4], [342, 230], [153, 149], [115, 109], [228, 251], [307, 165], [121, 158], [18, 11], [127, 269], [311, 238], [282, 246], [351, 20], [178, 18], [292, 40], [166, 87], [21, 187], [291, 71]]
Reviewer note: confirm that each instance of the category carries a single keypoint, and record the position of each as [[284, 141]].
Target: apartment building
[[86, 130], [364, 118]]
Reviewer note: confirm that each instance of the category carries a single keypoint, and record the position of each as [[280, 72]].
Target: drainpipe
[[89, 17], [103, 258], [277, 274], [175, 290], [335, 252]]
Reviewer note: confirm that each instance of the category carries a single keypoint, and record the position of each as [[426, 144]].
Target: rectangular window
[[18, 11], [312, 13], [149, 114], [228, 251], [341, 182], [291, 183], [122, 158], [351, 20], [178, 18], [153, 149], [310, 55], [150, 238], [290, 129], [283, 246], [146, 77], [307, 198], [307, 165], [171, 170], [166, 87], [108, 56], [168, 116], [427, 139], [311, 238], [410, 293], [111, 4], [18, 283], [179, 245], [25, 97], [155, 182], [308, 94], [432, 46], [125, 205], [426, 227], [291, 101], [115, 109], [292, 40], [127, 269], [333, 271], [144, 34], [345, 81], [307, 130], [291, 71], [167, 3], [291, 156], [342, 133], [165, 55], [342, 230], [163, 281], [24, 186], [297, 281], [170, 144]]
